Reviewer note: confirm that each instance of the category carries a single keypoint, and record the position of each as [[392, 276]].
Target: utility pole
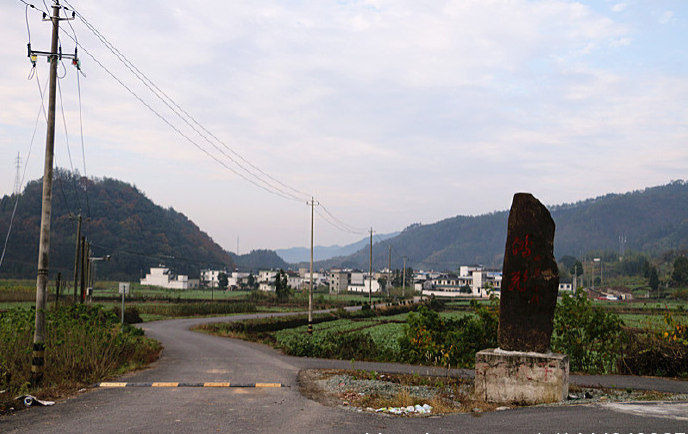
[[370, 274], [58, 283], [310, 288], [38, 359], [389, 269], [83, 258], [403, 280], [77, 250]]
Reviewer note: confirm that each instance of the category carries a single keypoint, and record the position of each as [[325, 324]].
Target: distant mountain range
[[653, 220], [122, 222], [297, 255]]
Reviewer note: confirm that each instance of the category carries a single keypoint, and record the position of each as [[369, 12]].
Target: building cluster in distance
[[470, 281]]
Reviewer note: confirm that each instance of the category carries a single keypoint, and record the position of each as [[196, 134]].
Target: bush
[[84, 344], [197, 308], [430, 339], [651, 354], [131, 314], [657, 351], [589, 335], [332, 345]]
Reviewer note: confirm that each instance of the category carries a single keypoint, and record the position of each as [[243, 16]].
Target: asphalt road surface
[[198, 358]]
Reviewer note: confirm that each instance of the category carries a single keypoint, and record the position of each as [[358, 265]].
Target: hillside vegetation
[[653, 220], [117, 218]]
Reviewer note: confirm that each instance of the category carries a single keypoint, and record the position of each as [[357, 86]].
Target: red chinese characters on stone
[[518, 279], [522, 246]]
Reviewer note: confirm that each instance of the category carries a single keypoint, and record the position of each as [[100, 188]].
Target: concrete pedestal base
[[523, 378]]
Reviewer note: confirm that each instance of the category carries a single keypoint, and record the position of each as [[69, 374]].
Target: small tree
[[282, 289], [222, 280], [576, 268], [654, 279], [251, 282], [680, 273]]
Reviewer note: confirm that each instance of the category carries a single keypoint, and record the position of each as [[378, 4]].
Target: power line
[[69, 152], [193, 123], [241, 166], [178, 131], [26, 165]]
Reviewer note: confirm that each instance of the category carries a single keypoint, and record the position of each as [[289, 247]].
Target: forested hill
[[653, 220], [258, 260], [117, 218]]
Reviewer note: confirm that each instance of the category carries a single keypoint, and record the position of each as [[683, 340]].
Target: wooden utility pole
[[310, 288], [38, 359], [76, 256], [84, 246], [58, 284], [389, 270], [370, 274], [403, 280]]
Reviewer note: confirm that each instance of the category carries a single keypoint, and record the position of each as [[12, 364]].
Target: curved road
[[195, 357]]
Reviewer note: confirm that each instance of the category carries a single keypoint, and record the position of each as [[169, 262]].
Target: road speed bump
[[173, 384]]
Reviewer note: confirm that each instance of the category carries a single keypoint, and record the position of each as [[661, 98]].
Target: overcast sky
[[388, 112]]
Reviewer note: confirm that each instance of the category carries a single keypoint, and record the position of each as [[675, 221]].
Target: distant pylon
[[17, 178], [622, 246]]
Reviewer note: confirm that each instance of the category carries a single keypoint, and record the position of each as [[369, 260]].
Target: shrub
[[131, 314], [197, 308], [332, 345], [589, 335], [430, 339], [661, 351], [84, 344], [651, 354]]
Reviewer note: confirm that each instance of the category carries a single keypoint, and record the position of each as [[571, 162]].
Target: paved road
[[194, 357]]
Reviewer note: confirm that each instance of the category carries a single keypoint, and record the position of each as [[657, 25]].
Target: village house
[[163, 277]]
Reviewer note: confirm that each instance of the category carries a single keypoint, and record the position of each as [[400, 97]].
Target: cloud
[[666, 17], [389, 112], [619, 7]]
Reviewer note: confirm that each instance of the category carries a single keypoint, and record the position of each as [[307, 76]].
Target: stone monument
[[522, 369]]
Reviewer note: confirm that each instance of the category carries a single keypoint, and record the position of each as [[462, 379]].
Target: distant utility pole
[[38, 359], [312, 203], [389, 269], [370, 275], [403, 280]]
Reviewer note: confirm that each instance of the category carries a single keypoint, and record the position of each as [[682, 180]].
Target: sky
[[387, 113]]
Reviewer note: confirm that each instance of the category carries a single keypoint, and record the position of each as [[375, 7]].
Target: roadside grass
[[84, 344]]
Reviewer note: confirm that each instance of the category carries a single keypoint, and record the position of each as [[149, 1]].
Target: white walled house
[[235, 280], [294, 280], [339, 280], [366, 285], [211, 278], [163, 277], [266, 280], [566, 287], [472, 281]]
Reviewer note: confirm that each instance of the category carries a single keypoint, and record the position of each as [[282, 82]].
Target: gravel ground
[[372, 392]]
